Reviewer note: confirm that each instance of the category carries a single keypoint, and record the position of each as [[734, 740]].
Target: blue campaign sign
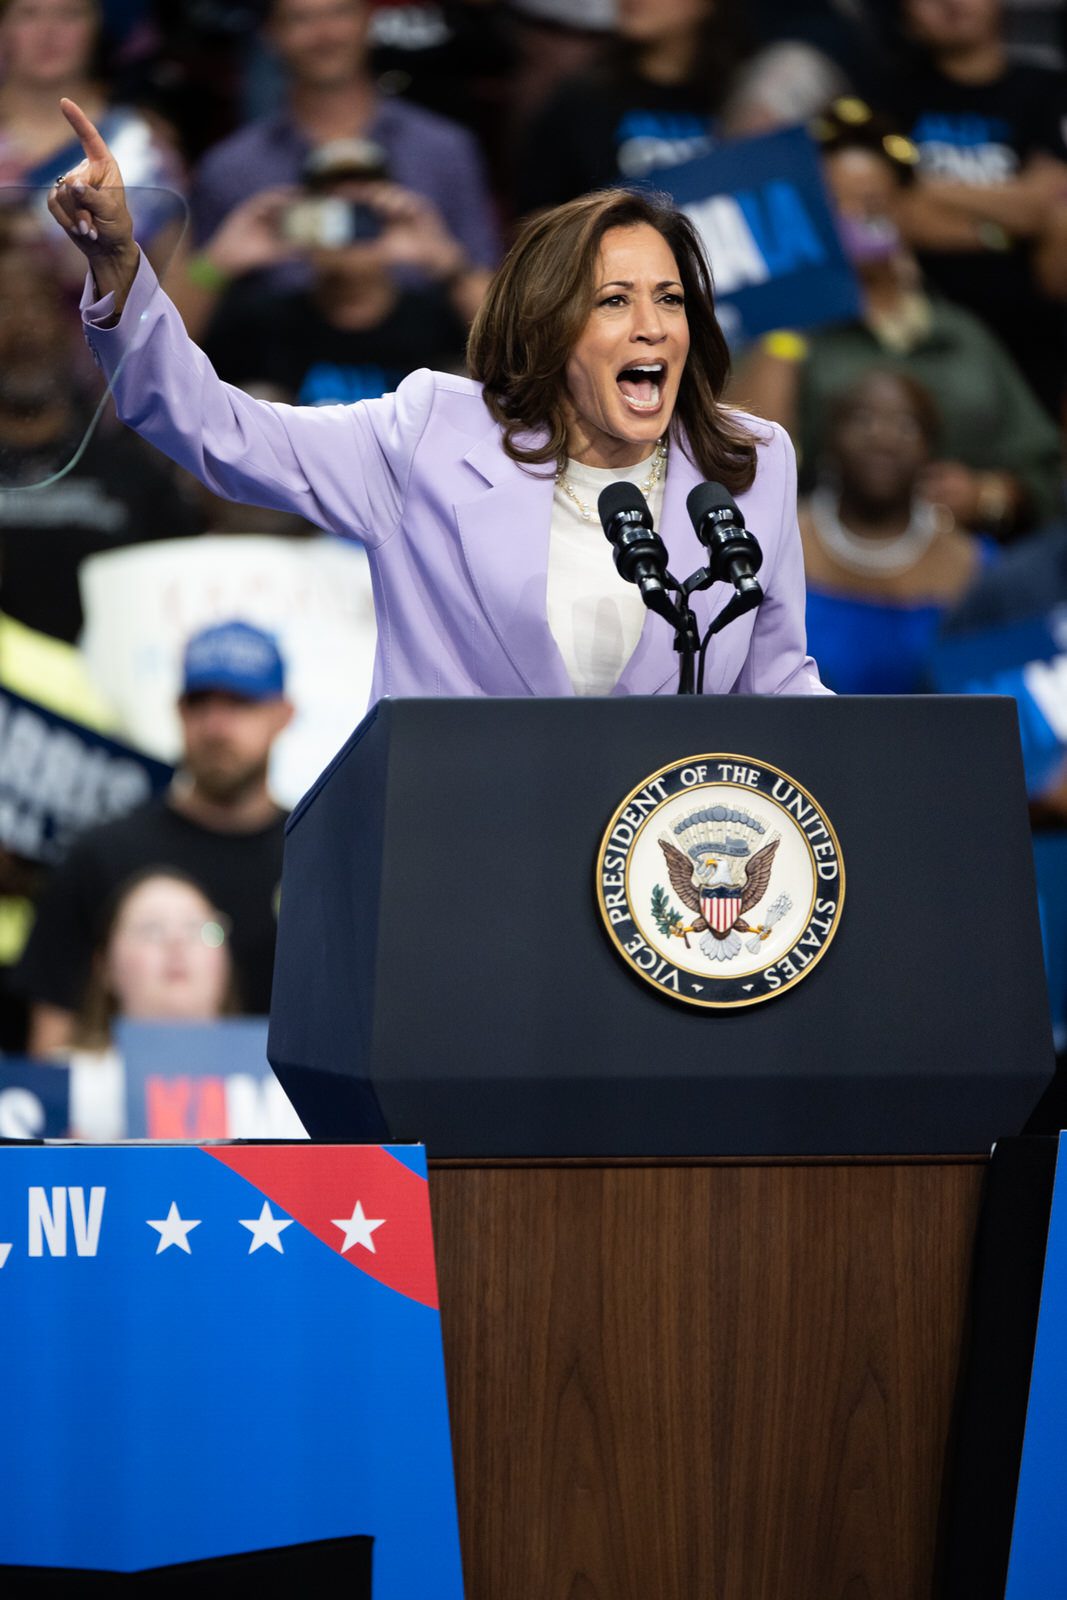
[[764, 214], [1025, 659], [34, 1100], [223, 1350], [1037, 1567], [57, 777], [202, 1080]]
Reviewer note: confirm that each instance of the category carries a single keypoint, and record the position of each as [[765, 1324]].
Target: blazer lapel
[[504, 529]]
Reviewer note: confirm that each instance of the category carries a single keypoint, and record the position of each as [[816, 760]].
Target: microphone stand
[[686, 632], [687, 644], [691, 649], [747, 598]]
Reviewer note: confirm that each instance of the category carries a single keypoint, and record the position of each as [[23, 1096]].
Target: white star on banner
[[173, 1230], [5, 1251], [266, 1229], [357, 1229]]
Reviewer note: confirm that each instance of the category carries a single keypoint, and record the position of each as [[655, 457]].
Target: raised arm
[[343, 468], [89, 202]]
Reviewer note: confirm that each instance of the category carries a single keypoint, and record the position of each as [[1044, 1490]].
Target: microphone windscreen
[[621, 497], [711, 497]]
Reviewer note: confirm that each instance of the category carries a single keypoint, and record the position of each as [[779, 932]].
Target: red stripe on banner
[[320, 1185]]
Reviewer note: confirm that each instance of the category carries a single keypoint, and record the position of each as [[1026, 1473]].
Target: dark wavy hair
[[540, 300]]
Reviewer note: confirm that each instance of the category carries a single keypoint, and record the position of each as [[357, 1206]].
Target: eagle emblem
[[720, 871]]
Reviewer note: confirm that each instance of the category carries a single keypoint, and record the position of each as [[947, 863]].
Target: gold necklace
[[658, 461]]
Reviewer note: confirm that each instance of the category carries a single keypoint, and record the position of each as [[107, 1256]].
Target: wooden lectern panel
[[722, 1380]]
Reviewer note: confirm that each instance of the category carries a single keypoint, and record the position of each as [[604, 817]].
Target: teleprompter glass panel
[[52, 394]]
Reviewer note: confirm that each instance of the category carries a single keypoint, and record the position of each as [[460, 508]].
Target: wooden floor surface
[[719, 1381]]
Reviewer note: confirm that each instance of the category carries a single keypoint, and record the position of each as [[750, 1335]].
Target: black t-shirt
[[984, 134], [118, 493], [240, 873], [603, 128], [286, 341]]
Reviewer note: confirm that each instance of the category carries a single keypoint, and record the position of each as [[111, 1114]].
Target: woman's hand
[[89, 203]]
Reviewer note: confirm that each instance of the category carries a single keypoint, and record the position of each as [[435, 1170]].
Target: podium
[[444, 972], [704, 1272]]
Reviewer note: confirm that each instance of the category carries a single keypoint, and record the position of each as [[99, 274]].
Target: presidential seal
[[720, 881]]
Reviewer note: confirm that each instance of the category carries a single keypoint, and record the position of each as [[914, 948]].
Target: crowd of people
[[325, 187]]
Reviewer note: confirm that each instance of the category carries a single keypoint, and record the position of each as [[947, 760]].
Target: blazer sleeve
[[778, 660], [344, 468]]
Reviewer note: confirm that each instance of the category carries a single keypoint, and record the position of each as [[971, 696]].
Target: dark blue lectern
[[444, 974]]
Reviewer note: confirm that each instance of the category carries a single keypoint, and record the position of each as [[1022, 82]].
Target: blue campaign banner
[[1037, 1566], [34, 1100], [202, 1080], [763, 211], [223, 1350], [1026, 660], [57, 777]]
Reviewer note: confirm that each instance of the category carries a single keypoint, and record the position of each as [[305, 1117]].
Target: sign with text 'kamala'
[[223, 1350], [203, 1080], [765, 218], [57, 778]]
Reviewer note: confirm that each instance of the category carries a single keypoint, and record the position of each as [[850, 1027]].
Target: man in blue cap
[[217, 823]]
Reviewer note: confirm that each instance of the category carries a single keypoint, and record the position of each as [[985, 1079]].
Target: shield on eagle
[[720, 907]]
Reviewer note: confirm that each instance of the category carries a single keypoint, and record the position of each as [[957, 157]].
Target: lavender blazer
[[457, 533]]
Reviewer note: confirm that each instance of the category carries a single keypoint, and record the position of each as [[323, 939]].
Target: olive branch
[[668, 921]]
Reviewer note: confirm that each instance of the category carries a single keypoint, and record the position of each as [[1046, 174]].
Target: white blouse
[[595, 616]]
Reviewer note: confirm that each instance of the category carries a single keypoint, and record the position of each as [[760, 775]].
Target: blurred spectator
[[989, 213], [115, 493], [160, 955], [555, 39], [355, 333], [652, 102], [355, 330], [47, 49], [999, 455], [883, 563], [217, 822], [331, 95]]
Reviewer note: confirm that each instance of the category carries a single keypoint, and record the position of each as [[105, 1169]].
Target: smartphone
[[325, 222]]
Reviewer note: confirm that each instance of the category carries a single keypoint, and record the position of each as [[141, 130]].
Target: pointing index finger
[[91, 141]]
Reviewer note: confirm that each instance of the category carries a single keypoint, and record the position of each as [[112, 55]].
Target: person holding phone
[[362, 321]]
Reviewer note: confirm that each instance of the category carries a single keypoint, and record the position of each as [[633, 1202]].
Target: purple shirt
[[427, 153]]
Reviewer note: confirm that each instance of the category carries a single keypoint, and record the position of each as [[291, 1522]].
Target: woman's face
[[879, 442], [166, 959], [47, 42], [623, 374]]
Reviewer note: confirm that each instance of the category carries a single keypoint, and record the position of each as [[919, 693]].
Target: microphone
[[735, 555], [640, 554]]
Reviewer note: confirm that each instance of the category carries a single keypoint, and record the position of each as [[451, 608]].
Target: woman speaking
[[596, 357]]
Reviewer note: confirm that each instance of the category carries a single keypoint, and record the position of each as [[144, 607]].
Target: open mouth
[[641, 384]]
